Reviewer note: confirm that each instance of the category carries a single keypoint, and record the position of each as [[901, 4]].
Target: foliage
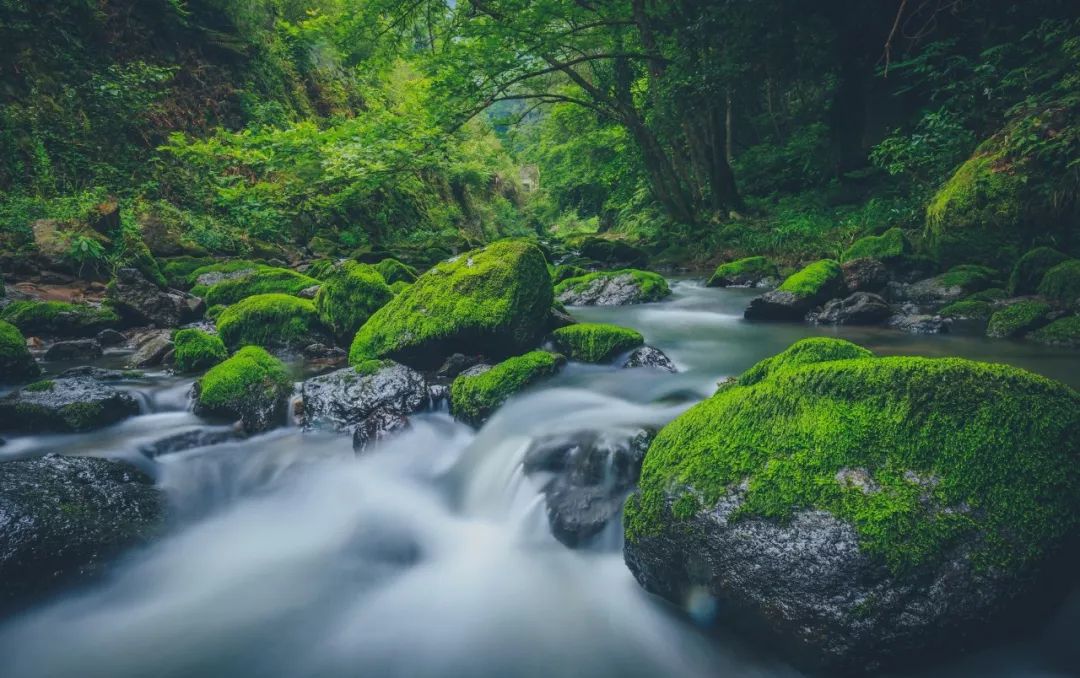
[[474, 398], [595, 342], [394, 271], [889, 246]]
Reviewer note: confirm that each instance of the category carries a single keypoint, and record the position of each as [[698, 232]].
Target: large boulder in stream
[[16, 363], [862, 512], [493, 301], [368, 401], [63, 518], [861, 308], [799, 293], [65, 405], [142, 301], [252, 386], [612, 288]]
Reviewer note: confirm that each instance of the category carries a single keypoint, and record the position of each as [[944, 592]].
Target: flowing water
[[287, 555]]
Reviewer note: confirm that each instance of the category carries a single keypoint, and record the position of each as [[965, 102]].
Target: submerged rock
[[143, 302], [612, 288], [63, 518], [861, 512], [861, 308], [65, 405], [647, 356], [919, 323]]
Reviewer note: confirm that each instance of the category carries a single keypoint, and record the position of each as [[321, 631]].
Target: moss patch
[[394, 271], [196, 350], [399, 287], [565, 272], [132, 252], [595, 342], [493, 301], [16, 363], [1061, 332], [244, 383], [1017, 319], [474, 398], [969, 277], [653, 286], [59, 319], [889, 246], [1062, 283], [955, 447], [968, 308], [264, 281], [803, 352], [178, 270], [743, 272], [270, 321], [821, 278], [989, 294], [351, 293], [1030, 269]]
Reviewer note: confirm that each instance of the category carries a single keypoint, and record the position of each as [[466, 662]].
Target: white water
[[431, 556]]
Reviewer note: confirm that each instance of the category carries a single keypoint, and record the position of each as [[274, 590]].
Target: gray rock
[[377, 426], [214, 277], [778, 305], [558, 318], [110, 338], [475, 370], [100, 374], [613, 290], [62, 519], [141, 301], [456, 364], [861, 308], [865, 275], [919, 323], [309, 292], [65, 405], [647, 356], [150, 348], [74, 349]]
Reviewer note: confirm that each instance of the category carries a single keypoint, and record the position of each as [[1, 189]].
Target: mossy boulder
[[65, 405], [1061, 332], [613, 288], [748, 272], [275, 321], [799, 293], [267, 280], [16, 363], [613, 252], [492, 301], [956, 283], [394, 271], [889, 247], [195, 350], [178, 270], [804, 352], [351, 293], [966, 309], [59, 318], [862, 511], [595, 342], [1018, 319], [565, 272], [1062, 283], [474, 398], [1030, 269], [252, 386], [205, 277]]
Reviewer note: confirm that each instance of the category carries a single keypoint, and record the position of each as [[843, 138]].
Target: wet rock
[[919, 323], [799, 293], [75, 349], [558, 317], [323, 353], [189, 440], [309, 292], [865, 275], [456, 364], [62, 519], [778, 305], [612, 288], [252, 386], [110, 337], [438, 395], [861, 308], [647, 356], [100, 374], [150, 348], [143, 302], [370, 406], [65, 405]]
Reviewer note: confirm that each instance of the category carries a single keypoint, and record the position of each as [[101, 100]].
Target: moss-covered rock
[[748, 272], [862, 485], [613, 288], [274, 321], [399, 286], [968, 308], [800, 292], [1062, 283], [214, 312], [613, 252], [251, 386], [266, 280], [351, 293], [205, 277], [493, 301], [394, 271], [132, 252], [990, 294], [804, 352], [65, 405], [890, 246], [59, 319], [321, 269], [178, 270], [196, 350], [16, 363], [473, 398], [1061, 332], [1030, 269], [1018, 319], [565, 272], [595, 342]]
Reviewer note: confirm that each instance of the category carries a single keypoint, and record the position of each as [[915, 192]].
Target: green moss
[[990, 294], [264, 281], [368, 367], [58, 318], [270, 321], [394, 271], [321, 269], [1030, 269], [493, 301], [803, 352], [1062, 283], [399, 286], [230, 268], [595, 342], [954, 447], [653, 286], [821, 278], [889, 246], [968, 308], [351, 293], [474, 398], [1017, 319], [16, 363], [213, 312], [613, 252], [565, 272], [197, 350], [40, 386], [969, 277], [1061, 332], [132, 252], [735, 272], [250, 376], [178, 270]]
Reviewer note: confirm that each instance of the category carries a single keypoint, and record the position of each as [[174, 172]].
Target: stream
[[288, 555]]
